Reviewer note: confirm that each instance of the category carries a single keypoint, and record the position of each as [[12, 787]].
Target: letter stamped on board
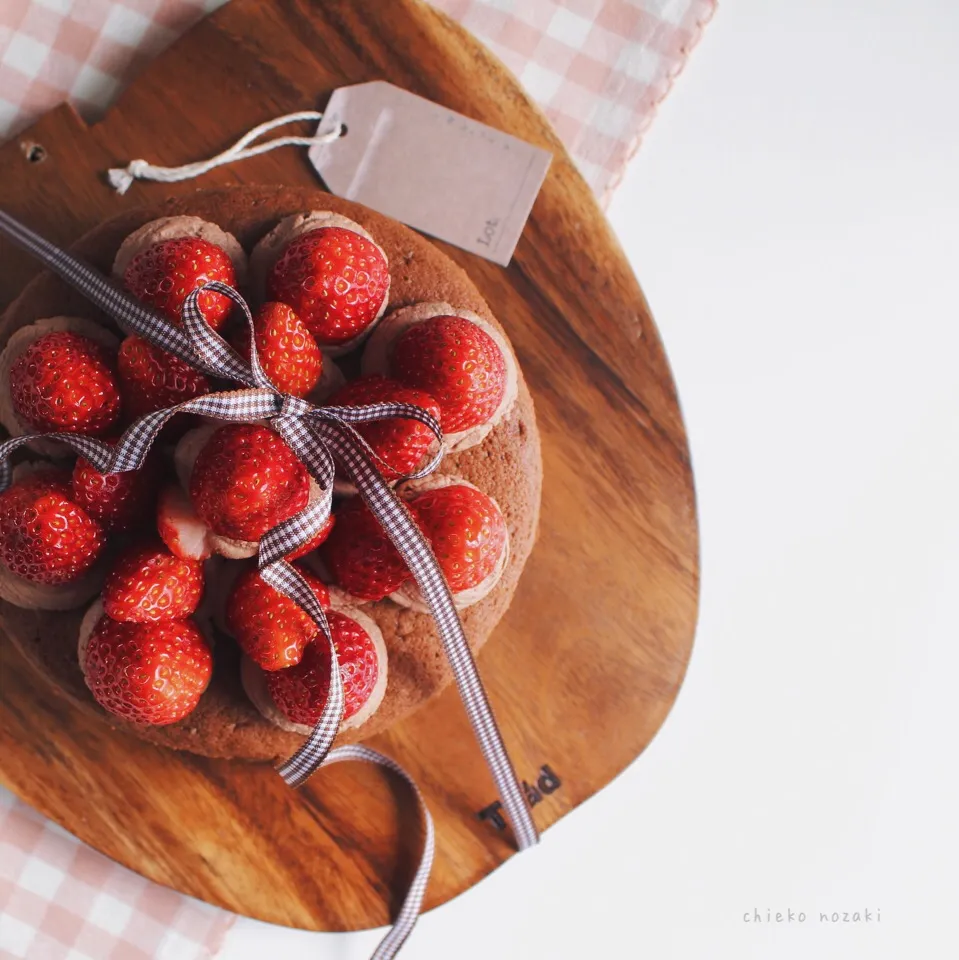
[[546, 783]]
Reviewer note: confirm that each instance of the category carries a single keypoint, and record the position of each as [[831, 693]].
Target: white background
[[793, 216]]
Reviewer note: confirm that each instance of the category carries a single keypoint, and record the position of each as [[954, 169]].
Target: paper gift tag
[[432, 168]]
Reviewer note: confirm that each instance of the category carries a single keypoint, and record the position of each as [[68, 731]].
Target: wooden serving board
[[586, 664]]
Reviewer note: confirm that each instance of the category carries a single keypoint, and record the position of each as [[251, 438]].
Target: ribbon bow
[[318, 435]]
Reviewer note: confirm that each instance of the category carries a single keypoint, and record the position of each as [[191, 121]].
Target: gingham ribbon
[[317, 435]]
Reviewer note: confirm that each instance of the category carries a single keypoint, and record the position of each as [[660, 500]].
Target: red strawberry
[[65, 382], [153, 379], [148, 672], [148, 583], [44, 536], [120, 501], [247, 480], [456, 362], [271, 629], [361, 556], [300, 692], [184, 533], [311, 545], [401, 444], [466, 530], [164, 274], [286, 349], [335, 280]]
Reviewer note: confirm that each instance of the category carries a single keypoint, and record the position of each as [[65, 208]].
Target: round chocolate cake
[[263, 235]]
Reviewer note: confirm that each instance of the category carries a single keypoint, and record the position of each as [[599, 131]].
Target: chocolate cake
[[504, 463]]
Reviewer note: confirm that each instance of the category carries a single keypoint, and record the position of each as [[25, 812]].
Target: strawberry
[[271, 629], [466, 530], [401, 444], [65, 382], [44, 536], [119, 501], [186, 536], [147, 672], [311, 545], [247, 480], [147, 583], [153, 379], [458, 363], [164, 274], [335, 280], [286, 349], [300, 692], [361, 556]]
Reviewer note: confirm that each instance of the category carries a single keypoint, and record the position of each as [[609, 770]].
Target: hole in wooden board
[[34, 152]]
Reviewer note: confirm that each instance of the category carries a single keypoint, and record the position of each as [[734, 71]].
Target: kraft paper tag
[[432, 168]]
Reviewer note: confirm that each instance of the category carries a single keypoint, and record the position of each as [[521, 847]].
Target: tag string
[[120, 178]]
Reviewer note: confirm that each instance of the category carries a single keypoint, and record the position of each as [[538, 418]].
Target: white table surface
[[793, 216]]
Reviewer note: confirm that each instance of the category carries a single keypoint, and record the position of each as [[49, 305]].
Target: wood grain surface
[[587, 662]]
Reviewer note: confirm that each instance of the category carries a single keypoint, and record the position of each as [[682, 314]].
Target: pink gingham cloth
[[60, 900], [598, 68]]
